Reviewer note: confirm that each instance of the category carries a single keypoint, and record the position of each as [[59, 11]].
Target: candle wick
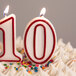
[[41, 15], [4, 14]]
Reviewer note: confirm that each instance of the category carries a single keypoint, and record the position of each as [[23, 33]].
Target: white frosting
[[19, 43], [64, 63], [22, 72], [43, 73]]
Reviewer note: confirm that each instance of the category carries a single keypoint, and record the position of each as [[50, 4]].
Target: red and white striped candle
[[8, 28], [40, 39]]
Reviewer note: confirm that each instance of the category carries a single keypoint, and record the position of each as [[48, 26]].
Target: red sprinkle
[[29, 62], [37, 65], [51, 60], [30, 66], [6, 67]]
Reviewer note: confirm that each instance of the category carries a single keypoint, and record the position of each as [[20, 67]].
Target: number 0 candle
[[40, 39], [8, 28]]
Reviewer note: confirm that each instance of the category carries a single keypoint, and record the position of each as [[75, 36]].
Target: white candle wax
[[40, 39], [8, 28]]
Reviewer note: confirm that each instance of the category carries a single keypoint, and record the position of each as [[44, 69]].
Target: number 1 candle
[[8, 28], [40, 39]]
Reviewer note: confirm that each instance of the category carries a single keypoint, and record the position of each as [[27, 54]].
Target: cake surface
[[63, 63]]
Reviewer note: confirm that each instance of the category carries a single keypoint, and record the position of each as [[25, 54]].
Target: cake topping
[[61, 64]]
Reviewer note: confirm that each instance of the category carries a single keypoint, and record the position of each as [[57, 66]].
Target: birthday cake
[[62, 63]]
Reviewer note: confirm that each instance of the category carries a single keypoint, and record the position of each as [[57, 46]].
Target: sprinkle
[[29, 62], [18, 63], [25, 66], [22, 51], [43, 67], [22, 62], [11, 63], [19, 51], [30, 72], [16, 68], [32, 68], [35, 67], [5, 64], [36, 70], [47, 64], [6, 67], [51, 60]]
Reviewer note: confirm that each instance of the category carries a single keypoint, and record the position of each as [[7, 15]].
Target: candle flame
[[43, 11], [6, 10]]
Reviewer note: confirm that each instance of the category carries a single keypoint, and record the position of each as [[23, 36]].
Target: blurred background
[[62, 14]]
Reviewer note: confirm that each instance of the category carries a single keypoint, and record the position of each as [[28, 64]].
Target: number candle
[[8, 28], [40, 39]]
